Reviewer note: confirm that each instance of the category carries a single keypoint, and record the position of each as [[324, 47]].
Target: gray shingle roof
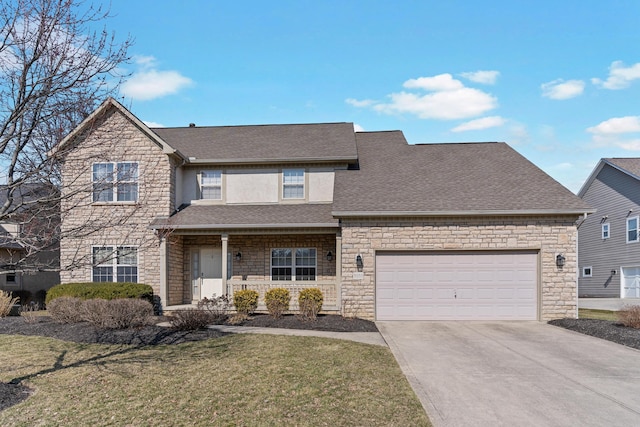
[[264, 143], [629, 164], [250, 216], [430, 179]]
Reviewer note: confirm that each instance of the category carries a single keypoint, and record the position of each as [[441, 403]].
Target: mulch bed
[[605, 329]]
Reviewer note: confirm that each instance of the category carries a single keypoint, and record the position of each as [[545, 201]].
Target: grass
[[240, 380], [589, 313]]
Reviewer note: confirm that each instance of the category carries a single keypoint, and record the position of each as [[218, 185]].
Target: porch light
[[329, 256], [359, 262], [560, 260], [613, 272], [238, 256]]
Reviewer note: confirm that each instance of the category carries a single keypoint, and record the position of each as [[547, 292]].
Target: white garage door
[[456, 286]]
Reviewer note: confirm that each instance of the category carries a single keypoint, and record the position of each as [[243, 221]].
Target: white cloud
[[560, 89], [562, 166], [617, 125], [620, 77], [153, 124], [149, 83], [362, 103], [478, 124], [441, 82], [357, 128], [484, 77]]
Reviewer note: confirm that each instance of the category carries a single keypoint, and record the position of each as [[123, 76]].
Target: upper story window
[[115, 264], [293, 184], [605, 230], [293, 264], [632, 229], [211, 185], [115, 182]]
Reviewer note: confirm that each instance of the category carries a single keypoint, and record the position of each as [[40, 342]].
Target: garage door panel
[[457, 286]]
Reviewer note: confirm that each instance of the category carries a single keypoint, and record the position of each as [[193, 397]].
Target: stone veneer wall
[[549, 235], [114, 138]]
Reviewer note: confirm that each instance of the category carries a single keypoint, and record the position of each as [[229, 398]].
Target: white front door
[[206, 273], [631, 282]]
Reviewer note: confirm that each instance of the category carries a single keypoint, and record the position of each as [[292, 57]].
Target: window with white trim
[[632, 229], [605, 230], [211, 185], [298, 264], [115, 265], [293, 184], [587, 271], [115, 182]]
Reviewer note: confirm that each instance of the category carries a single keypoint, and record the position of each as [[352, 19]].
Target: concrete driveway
[[516, 373]]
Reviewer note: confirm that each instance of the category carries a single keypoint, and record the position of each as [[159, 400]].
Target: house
[[26, 266], [609, 243], [385, 229]]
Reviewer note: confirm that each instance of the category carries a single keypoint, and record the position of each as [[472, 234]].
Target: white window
[[115, 182], [119, 265], [293, 264], [632, 229], [293, 184], [211, 185], [587, 271], [605, 230]]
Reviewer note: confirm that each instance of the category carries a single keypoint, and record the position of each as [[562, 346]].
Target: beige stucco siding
[[548, 235], [85, 223]]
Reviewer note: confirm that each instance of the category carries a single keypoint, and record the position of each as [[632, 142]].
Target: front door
[[631, 282], [206, 273]]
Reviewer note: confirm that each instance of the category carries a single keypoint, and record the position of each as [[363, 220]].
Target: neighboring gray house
[[609, 240], [387, 230]]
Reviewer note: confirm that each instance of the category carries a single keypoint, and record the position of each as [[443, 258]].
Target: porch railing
[[329, 291]]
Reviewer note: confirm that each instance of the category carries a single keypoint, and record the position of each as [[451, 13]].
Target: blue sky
[[557, 80]]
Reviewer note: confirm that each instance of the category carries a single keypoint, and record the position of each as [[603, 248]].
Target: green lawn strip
[[589, 313], [244, 380]]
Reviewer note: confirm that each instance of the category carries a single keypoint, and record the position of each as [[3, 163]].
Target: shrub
[[217, 307], [102, 290], [65, 309], [120, 313], [6, 303], [246, 301], [310, 303], [190, 319], [277, 301], [23, 295], [630, 316], [29, 311]]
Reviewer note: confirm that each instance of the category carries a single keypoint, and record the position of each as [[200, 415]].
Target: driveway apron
[[516, 374]]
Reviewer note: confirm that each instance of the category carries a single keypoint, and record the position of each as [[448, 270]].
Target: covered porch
[[203, 260]]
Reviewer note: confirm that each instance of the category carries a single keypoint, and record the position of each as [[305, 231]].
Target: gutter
[[525, 212], [241, 226]]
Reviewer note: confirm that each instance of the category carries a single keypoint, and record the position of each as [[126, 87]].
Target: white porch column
[[164, 271], [225, 250], [339, 271]]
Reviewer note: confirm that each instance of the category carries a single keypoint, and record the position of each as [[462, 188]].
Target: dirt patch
[[12, 394], [605, 329]]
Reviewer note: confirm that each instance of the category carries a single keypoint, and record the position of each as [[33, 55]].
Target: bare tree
[[55, 68]]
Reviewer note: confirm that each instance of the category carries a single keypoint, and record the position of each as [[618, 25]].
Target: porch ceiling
[[198, 217]]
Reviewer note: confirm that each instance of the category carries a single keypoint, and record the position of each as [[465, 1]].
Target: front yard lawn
[[240, 380]]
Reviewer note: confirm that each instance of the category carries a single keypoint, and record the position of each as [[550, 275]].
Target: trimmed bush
[[216, 307], [277, 301], [102, 290], [65, 309], [190, 319], [246, 301], [310, 303], [7, 301], [630, 316], [120, 313]]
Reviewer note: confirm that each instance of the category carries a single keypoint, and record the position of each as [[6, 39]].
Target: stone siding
[[114, 138], [549, 235]]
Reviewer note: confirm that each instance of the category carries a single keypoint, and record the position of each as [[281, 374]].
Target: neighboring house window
[[118, 266], [632, 229], [586, 271], [115, 182], [211, 185], [293, 264], [11, 278], [605, 231], [293, 184]]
